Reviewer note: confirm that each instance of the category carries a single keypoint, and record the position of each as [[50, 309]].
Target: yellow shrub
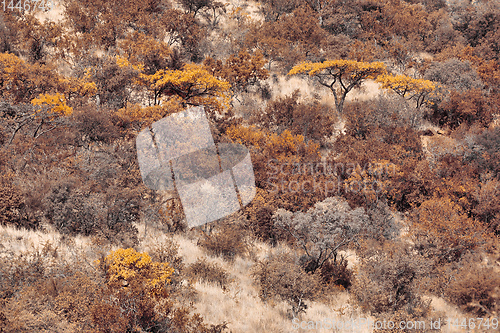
[[137, 267], [283, 143]]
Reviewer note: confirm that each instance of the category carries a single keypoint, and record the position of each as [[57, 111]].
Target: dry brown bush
[[107, 318], [42, 292], [388, 281], [12, 205], [281, 278], [310, 119], [475, 289], [95, 125], [212, 273], [228, 242], [262, 224], [75, 209], [168, 252], [336, 273]]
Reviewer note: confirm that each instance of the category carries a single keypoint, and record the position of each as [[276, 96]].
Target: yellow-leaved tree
[[78, 87], [409, 88], [419, 91], [194, 84], [145, 116], [51, 107], [41, 85], [55, 103], [20, 81], [340, 76]]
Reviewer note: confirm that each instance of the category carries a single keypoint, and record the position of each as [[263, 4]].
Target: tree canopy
[[340, 76]]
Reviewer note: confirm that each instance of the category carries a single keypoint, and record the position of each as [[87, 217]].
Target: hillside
[[342, 174]]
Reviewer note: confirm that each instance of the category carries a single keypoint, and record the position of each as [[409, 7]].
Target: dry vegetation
[[400, 98]]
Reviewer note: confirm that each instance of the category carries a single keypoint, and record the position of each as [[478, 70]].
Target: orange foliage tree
[[23, 83], [141, 49], [290, 39], [20, 82], [183, 30], [103, 23]]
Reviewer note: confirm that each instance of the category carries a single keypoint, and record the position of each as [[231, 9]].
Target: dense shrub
[[263, 226], [95, 125], [485, 151], [126, 292], [309, 119], [203, 271], [113, 82], [73, 211], [336, 273], [387, 281], [454, 74], [442, 231], [230, 241], [488, 205], [475, 289], [12, 206], [322, 231], [281, 278], [467, 108], [407, 179]]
